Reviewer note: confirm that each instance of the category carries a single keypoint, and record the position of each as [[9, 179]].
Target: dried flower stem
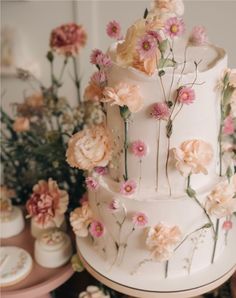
[[167, 162], [140, 174], [126, 126], [216, 239], [77, 81], [157, 156], [140, 264], [220, 136], [166, 268], [63, 69]]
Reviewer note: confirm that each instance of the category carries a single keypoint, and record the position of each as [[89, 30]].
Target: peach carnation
[[21, 124], [124, 94], [221, 201], [192, 157], [161, 241], [80, 219], [90, 148], [93, 92], [169, 7], [48, 203]]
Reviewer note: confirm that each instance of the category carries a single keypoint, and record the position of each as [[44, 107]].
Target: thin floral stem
[[163, 89], [176, 114], [184, 65], [166, 268], [173, 72], [140, 264], [140, 174], [126, 127], [215, 242], [166, 167], [77, 81], [157, 156], [126, 244], [220, 137], [63, 69]]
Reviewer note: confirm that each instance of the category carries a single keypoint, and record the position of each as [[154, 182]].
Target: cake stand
[[188, 286], [41, 281]]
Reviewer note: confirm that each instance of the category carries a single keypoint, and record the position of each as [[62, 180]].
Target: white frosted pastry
[[52, 249], [38, 229], [11, 222], [15, 265]]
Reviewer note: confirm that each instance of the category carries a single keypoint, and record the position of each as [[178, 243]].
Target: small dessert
[[52, 249], [15, 265], [11, 217], [93, 292]]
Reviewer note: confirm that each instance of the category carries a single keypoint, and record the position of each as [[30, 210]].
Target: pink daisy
[[140, 219], [101, 170], [186, 95], [228, 125], [114, 206], [198, 37], [174, 27], [91, 183], [94, 55], [156, 35], [227, 225], [146, 46], [113, 30], [99, 78], [97, 229], [160, 111], [128, 187], [138, 148], [104, 61]]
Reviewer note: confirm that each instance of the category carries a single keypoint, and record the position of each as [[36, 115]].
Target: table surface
[[41, 280]]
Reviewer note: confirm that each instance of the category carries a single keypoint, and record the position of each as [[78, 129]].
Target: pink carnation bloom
[[140, 219], [228, 126], [113, 30], [104, 61], [128, 187], [93, 57], [91, 183], [146, 46], [227, 225], [174, 27], [160, 111], [186, 95], [101, 170], [198, 37], [99, 78], [156, 35], [68, 39], [138, 148], [96, 229], [114, 206]]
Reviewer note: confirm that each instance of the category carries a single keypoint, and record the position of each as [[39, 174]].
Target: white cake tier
[[11, 223], [199, 120], [125, 248]]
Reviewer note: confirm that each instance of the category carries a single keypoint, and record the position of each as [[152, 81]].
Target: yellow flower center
[[140, 218], [185, 95], [128, 188], [114, 29], [140, 148], [146, 45], [98, 228], [174, 28]]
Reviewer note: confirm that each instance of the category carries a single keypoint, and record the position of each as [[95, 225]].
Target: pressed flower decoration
[[114, 30], [140, 219], [174, 27], [92, 184], [128, 187], [96, 229]]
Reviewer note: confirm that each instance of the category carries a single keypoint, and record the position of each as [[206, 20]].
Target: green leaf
[[161, 73], [166, 63], [169, 128], [226, 79], [125, 112], [191, 192], [207, 226], [50, 56], [163, 46]]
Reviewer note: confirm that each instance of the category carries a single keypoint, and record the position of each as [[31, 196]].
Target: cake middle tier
[[197, 121]]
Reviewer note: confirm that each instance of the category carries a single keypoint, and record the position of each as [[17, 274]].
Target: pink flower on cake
[[90, 148], [228, 128], [48, 203], [99, 78], [68, 39], [227, 225], [192, 157], [162, 240], [160, 111], [140, 219], [21, 124], [92, 184], [80, 219], [198, 36], [155, 35], [114, 206], [114, 30], [146, 46], [124, 94], [169, 7], [100, 59], [174, 27], [138, 148], [101, 170], [186, 95], [221, 202], [128, 187], [93, 57], [96, 229]]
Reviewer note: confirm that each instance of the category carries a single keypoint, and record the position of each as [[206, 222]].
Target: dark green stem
[[126, 149], [62, 70], [215, 242], [77, 81]]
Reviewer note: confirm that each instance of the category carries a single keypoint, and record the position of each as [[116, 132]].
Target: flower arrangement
[[34, 141]]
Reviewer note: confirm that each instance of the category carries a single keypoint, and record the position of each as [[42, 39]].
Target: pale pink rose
[[97, 229], [160, 111], [162, 240], [221, 202], [174, 27], [140, 219], [80, 219], [228, 128], [146, 47], [124, 94], [48, 203], [92, 184], [90, 148], [186, 95], [227, 225], [128, 187], [192, 157], [68, 39], [113, 30], [198, 36], [21, 124], [138, 148], [169, 7]]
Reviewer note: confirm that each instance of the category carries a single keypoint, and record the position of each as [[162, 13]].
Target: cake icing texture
[[160, 199]]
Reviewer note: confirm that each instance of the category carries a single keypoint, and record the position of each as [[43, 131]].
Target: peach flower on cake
[[21, 124], [80, 219], [232, 77], [124, 94], [221, 201], [90, 148], [192, 157], [161, 7], [162, 240]]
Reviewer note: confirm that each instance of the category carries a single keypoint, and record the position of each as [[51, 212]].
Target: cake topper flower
[[198, 36], [90, 148], [140, 219], [96, 229], [113, 30], [68, 39], [165, 7], [174, 27], [128, 187], [146, 46], [101, 60], [160, 111], [186, 95], [47, 204]]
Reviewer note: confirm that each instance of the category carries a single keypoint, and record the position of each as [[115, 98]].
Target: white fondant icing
[[11, 223]]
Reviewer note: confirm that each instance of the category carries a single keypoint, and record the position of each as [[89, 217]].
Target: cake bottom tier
[[175, 238]]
